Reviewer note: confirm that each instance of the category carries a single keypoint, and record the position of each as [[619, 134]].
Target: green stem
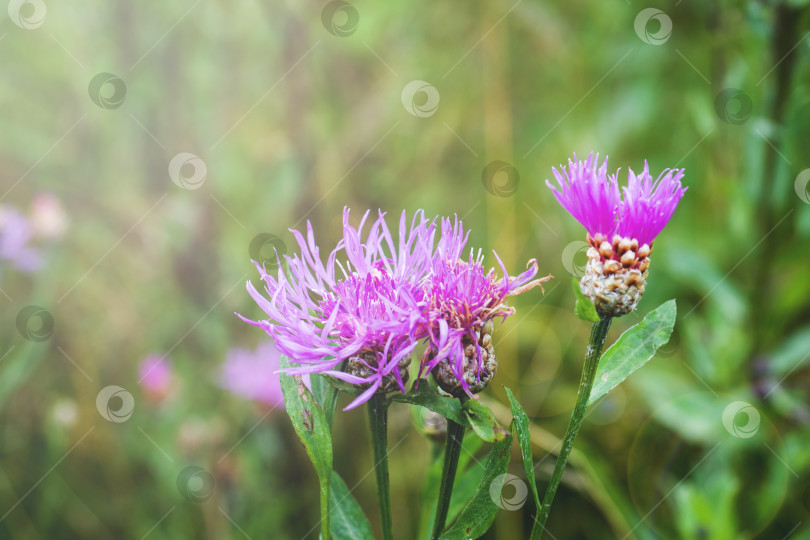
[[452, 451], [599, 333], [378, 420]]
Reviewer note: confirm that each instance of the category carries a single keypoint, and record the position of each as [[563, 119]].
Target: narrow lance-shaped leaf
[[521, 423], [312, 428], [584, 308], [480, 512], [348, 520], [483, 421], [427, 396], [633, 349]]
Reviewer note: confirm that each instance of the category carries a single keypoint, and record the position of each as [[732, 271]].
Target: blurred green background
[[292, 111]]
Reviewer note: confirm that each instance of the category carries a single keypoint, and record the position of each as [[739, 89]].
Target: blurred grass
[[293, 124]]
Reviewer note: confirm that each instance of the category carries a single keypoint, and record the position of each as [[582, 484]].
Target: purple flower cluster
[[382, 297], [593, 198]]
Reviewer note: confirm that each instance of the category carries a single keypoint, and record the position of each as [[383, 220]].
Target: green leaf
[[480, 512], [348, 520], [428, 397], [633, 349], [584, 308], [521, 423], [483, 422], [312, 428]]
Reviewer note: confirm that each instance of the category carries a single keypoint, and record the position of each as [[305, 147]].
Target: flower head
[[364, 309], [252, 374], [462, 300], [156, 376], [621, 231], [16, 231]]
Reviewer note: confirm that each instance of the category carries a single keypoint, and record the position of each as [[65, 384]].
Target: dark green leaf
[[348, 520], [480, 512], [584, 308], [428, 397], [312, 428], [521, 423], [483, 422], [633, 349]]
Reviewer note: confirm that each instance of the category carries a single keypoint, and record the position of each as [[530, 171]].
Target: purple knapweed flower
[[253, 374], [156, 377], [621, 230], [462, 300], [364, 310]]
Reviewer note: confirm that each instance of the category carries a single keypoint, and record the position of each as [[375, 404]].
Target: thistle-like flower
[[364, 311], [462, 301], [620, 231]]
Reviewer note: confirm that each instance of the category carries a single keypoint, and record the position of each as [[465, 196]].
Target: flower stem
[[378, 420], [452, 451], [599, 333]]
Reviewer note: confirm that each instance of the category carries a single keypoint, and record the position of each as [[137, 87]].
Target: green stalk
[[378, 420], [452, 451], [599, 333]]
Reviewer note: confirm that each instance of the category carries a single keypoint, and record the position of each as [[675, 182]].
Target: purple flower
[[592, 197], [15, 233], [253, 374], [461, 302], [364, 309], [156, 377]]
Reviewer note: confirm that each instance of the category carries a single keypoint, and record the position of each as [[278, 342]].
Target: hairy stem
[[452, 451], [378, 420]]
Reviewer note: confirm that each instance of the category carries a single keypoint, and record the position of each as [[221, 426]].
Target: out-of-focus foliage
[[293, 121]]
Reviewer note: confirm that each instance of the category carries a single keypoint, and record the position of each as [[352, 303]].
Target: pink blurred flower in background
[[156, 377], [16, 232], [48, 217], [251, 374]]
